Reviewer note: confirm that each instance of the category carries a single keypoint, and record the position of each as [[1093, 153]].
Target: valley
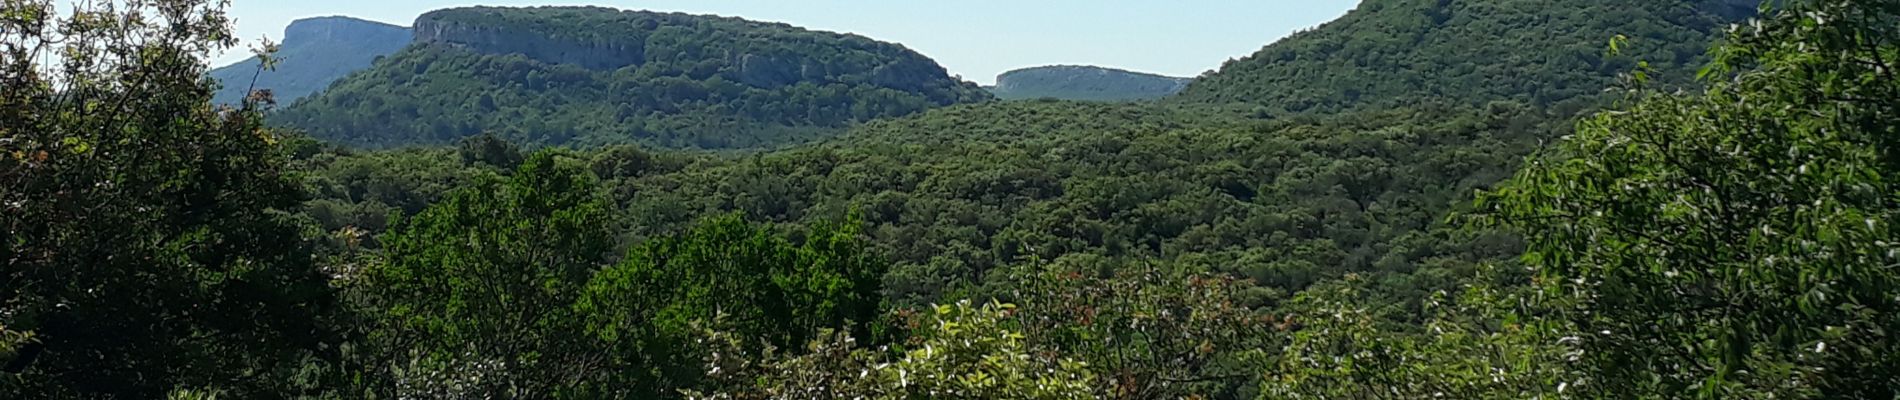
[[1486, 199]]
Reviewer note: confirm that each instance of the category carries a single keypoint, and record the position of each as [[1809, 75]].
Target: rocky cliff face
[[759, 54], [663, 79], [439, 27], [315, 53], [321, 30]]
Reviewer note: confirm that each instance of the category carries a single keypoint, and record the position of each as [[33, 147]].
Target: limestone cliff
[[759, 54], [315, 52], [591, 75], [1080, 82], [494, 38]]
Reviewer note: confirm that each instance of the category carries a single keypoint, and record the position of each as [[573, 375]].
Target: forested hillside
[[571, 75], [314, 53], [1683, 230], [1086, 83], [954, 194], [1547, 53]]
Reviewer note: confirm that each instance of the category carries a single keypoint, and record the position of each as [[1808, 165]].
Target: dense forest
[[954, 194], [1661, 205], [593, 76], [1547, 53]]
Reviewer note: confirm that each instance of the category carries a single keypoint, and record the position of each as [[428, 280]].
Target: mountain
[[315, 53], [588, 75], [1081, 82], [1545, 52]]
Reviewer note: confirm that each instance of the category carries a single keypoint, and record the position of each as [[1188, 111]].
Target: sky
[[976, 39]]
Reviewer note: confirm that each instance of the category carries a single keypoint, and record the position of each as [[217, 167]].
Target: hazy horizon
[[986, 37]]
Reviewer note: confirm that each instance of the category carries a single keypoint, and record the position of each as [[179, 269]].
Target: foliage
[[965, 352], [12, 341], [362, 191], [969, 354], [669, 80], [505, 288], [1483, 343], [476, 290], [954, 194], [187, 394], [1546, 53], [1145, 332], [1736, 242], [487, 149], [146, 242], [773, 291]]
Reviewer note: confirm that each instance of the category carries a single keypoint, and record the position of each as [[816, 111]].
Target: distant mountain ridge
[[480, 30], [1545, 52], [315, 52], [621, 39], [592, 75], [1083, 82]]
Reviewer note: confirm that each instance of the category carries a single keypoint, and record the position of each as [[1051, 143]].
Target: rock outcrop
[[1079, 82], [760, 54], [601, 54], [591, 75], [323, 30], [315, 52]]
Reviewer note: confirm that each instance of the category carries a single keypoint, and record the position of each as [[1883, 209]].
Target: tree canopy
[[1545, 53], [1726, 236], [1735, 242], [150, 239]]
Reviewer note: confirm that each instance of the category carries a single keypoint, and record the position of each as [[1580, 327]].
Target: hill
[[1728, 240], [955, 193], [586, 75], [315, 53], [1542, 52], [1088, 83]]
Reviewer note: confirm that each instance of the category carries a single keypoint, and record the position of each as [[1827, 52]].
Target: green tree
[[491, 150], [1483, 342], [1148, 333], [144, 238], [771, 290], [961, 351], [1739, 242], [475, 296]]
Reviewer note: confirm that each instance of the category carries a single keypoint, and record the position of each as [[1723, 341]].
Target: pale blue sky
[[973, 38]]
